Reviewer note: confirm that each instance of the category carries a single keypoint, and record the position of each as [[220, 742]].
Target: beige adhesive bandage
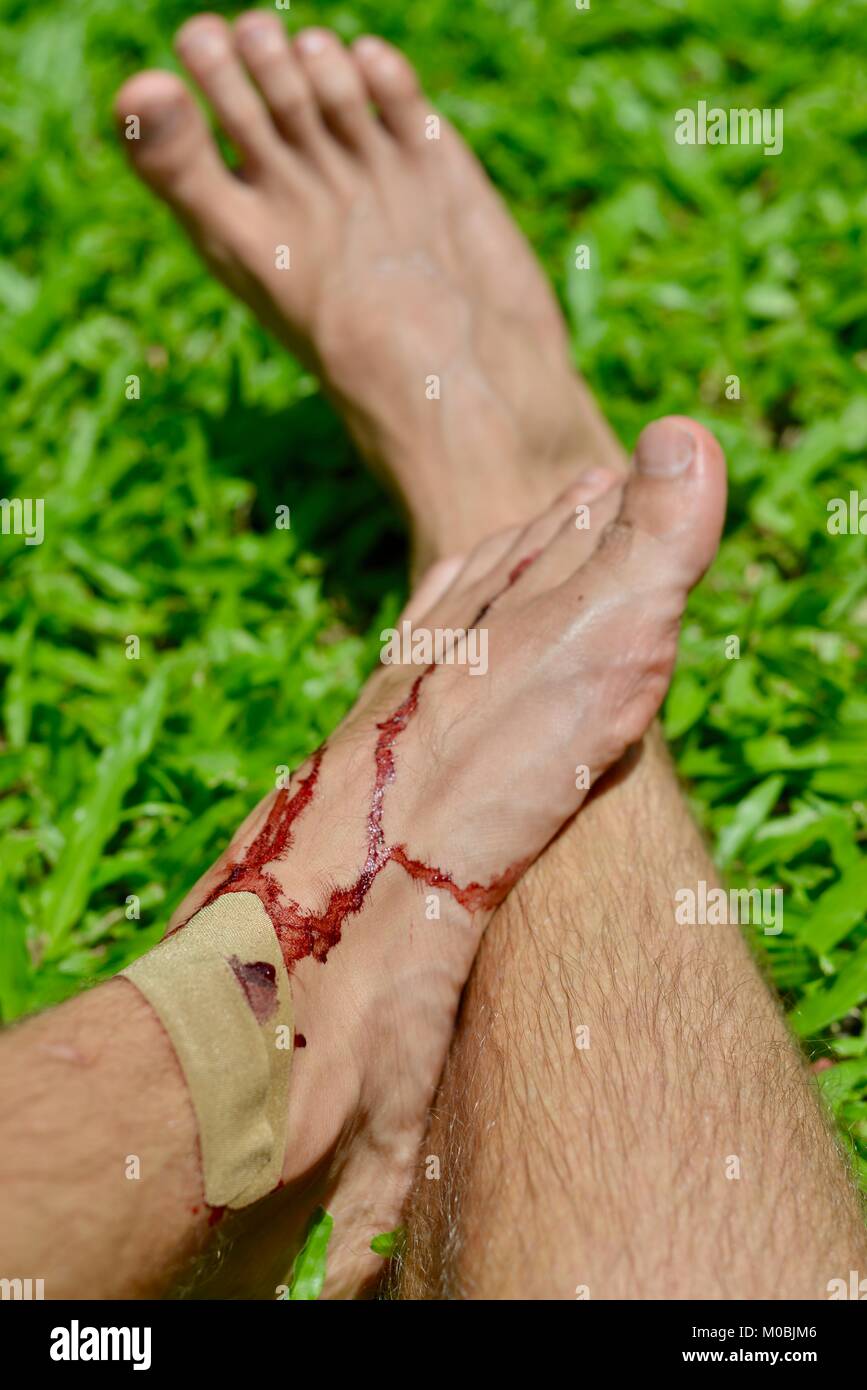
[[221, 991]]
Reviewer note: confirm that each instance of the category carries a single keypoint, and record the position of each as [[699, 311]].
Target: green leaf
[[308, 1270], [388, 1243], [840, 908], [770, 302], [839, 1081], [751, 813], [687, 702], [823, 1006], [65, 892]]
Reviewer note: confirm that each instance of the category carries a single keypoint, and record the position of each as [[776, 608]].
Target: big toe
[[677, 492], [168, 141], [634, 587], [670, 520]]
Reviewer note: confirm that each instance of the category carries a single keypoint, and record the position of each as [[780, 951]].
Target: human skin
[[405, 265], [659, 980], [678, 1148], [423, 211], [438, 779]]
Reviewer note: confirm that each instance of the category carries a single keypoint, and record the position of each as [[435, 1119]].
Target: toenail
[[386, 61], [263, 37], [204, 43], [664, 450], [313, 41], [160, 122], [369, 45]]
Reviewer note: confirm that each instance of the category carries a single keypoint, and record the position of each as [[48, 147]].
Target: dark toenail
[[160, 122]]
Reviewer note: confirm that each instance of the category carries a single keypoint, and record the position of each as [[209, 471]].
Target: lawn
[[122, 778]]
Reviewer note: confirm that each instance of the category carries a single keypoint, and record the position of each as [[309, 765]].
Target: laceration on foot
[[314, 933], [381, 863]]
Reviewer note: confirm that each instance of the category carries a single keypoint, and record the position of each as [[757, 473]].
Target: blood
[[300, 1040], [473, 896], [215, 1215], [523, 565], [258, 980], [302, 933]]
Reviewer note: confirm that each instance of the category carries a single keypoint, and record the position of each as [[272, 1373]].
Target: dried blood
[[258, 980], [303, 933]]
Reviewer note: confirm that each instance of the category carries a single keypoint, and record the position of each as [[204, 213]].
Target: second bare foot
[[365, 234]]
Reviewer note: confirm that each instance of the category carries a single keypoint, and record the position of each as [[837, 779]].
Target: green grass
[[124, 778], [310, 1264]]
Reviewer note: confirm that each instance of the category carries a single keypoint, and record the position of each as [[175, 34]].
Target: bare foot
[[406, 285], [441, 787]]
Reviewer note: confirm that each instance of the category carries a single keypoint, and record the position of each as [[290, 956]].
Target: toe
[[485, 559], [677, 493], [666, 530], [264, 46], [518, 551], [564, 536], [623, 607], [169, 143], [671, 516], [338, 88], [434, 584], [206, 49], [393, 85]]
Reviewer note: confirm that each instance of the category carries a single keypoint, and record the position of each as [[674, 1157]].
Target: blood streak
[[523, 565], [473, 896], [302, 933]]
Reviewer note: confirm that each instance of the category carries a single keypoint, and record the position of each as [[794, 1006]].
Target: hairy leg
[[675, 1148], [378, 883], [424, 313]]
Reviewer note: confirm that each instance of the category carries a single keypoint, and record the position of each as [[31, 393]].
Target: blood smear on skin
[[302, 933]]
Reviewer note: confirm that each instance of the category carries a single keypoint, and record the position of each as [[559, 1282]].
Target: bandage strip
[[220, 989], [219, 982]]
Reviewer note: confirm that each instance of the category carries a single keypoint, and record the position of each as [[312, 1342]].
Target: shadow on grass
[[301, 457]]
